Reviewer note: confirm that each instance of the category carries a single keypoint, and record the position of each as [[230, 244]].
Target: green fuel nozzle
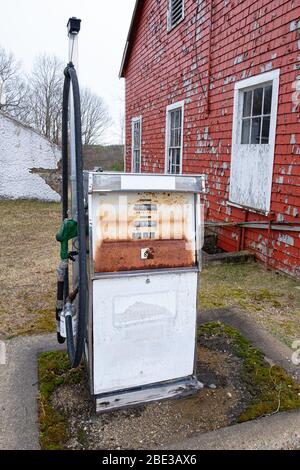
[[67, 232]]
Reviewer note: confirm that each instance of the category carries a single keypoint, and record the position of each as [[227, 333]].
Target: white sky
[[31, 27]]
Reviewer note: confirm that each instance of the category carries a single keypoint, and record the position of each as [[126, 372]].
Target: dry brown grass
[[270, 298], [28, 260]]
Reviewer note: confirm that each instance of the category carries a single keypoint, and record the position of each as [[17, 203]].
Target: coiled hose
[[75, 343]]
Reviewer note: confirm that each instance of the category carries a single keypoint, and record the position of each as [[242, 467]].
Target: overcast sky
[[31, 27]]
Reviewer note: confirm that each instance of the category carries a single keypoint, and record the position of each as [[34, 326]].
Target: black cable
[[75, 347]]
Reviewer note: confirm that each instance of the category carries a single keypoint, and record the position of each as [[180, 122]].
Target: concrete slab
[[19, 392], [277, 432]]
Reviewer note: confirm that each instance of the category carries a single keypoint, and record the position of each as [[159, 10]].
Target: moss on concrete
[[272, 389], [54, 371]]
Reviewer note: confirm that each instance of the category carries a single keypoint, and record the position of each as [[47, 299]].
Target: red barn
[[213, 86]]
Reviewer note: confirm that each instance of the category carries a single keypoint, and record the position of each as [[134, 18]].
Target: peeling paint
[[238, 60], [288, 240], [294, 25]]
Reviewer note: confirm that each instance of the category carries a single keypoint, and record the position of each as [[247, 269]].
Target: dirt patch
[[160, 423]]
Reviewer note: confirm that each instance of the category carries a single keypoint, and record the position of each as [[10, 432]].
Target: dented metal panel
[[141, 327]]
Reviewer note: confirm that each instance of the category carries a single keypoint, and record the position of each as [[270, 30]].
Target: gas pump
[[128, 306]]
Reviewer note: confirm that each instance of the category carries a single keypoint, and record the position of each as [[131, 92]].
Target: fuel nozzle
[[67, 232]]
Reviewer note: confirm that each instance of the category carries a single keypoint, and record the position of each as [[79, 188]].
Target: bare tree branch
[[44, 100], [12, 86], [95, 117], [39, 102]]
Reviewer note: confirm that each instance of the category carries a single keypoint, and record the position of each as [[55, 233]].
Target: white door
[[253, 144]]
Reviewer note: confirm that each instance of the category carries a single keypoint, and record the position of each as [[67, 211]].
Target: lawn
[[30, 254], [28, 258], [271, 298]]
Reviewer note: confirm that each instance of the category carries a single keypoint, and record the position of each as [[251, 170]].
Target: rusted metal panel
[[143, 231], [117, 401]]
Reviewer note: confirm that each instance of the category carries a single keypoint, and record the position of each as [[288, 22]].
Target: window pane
[[136, 163], [265, 130], [172, 122], [268, 99], [247, 104], [246, 131], [257, 101], [172, 138], [255, 130], [178, 118], [136, 135], [178, 157], [177, 138]]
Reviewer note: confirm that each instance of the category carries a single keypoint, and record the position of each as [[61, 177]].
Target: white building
[[23, 154]]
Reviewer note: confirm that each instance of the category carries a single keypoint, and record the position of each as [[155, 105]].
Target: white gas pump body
[[145, 240]]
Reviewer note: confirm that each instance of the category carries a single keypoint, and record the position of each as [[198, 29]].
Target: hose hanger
[[71, 308]]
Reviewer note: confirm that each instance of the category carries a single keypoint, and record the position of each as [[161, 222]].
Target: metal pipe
[[282, 226]]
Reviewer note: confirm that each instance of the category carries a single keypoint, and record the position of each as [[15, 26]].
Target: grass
[[29, 257], [54, 371], [272, 389], [272, 299]]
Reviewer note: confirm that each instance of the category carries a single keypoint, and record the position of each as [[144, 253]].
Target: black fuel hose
[[75, 343]]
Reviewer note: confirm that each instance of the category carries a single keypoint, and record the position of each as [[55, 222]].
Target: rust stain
[[155, 222], [116, 256]]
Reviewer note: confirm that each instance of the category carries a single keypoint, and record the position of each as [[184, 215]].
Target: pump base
[[158, 392]]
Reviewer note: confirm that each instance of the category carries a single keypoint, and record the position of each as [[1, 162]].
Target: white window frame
[[134, 120], [173, 107], [273, 78], [169, 17]]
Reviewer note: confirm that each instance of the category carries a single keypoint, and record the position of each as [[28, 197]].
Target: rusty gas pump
[[128, 306]]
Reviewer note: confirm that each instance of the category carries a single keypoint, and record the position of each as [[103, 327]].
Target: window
[[257, 115], [136, 144], [253, 141], [174, 138], [175, 13]]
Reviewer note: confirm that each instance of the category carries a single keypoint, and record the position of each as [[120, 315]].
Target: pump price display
[[150, 459], [127, 225]]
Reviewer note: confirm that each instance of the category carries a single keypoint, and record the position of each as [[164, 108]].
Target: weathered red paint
[[217, 44]]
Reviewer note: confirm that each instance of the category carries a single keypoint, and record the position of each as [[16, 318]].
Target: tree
[[95, 117], [44, 103], [12, 86], [38, 103]]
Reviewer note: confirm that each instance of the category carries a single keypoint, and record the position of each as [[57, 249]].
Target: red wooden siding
[[201, 64]]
